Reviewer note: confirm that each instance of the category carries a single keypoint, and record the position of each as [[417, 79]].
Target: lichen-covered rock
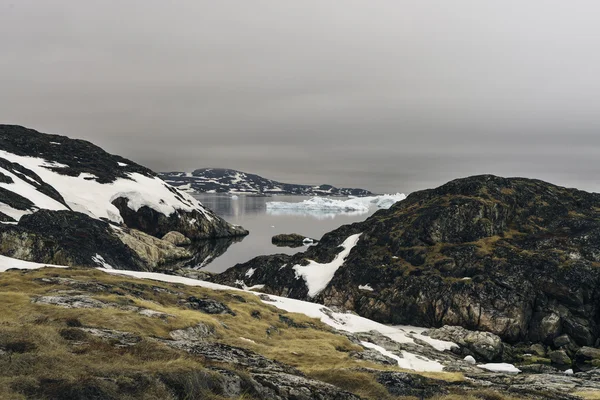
[[484, 345], [560, 357], [153, 251], [194, 333], [587, 354], [515, 257], [177, 239]]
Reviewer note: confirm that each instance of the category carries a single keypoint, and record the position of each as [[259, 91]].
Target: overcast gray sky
[[389, 95]]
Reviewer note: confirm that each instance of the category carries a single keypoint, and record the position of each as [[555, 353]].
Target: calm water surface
[[251, 213]]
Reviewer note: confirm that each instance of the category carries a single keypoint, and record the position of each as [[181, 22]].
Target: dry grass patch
[[588, 395], [51, 352]]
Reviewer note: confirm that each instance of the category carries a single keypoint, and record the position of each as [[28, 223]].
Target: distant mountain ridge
[[223, 180]]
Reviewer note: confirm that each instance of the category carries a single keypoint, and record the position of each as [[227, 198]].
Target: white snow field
[[8, 263], [84, 194], [341, 321], [317, 276], [329, 205]]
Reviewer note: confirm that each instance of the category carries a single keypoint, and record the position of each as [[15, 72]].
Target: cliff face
[[516, 257]]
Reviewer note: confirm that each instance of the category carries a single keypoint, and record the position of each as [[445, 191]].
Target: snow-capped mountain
[[221, 180]]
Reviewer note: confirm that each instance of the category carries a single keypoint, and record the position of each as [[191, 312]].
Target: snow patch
[[7, 263], [317, 276], [250, 272], [366, 287], [95, 199], [500, 367], [408, 360], [98, 259], [122, 164]]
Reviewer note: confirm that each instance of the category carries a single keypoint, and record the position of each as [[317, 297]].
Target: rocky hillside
[[516, 257], [84, 334], [88, 193], [220, 180]]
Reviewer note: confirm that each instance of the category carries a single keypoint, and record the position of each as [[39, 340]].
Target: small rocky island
[[292, 240]]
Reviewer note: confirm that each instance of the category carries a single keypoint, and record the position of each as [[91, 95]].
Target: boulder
[[538, 350], [586, 354], [485, 345], [560, 357], [177, 239], [562, 340]]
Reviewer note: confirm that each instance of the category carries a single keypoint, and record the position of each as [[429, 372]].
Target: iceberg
[[358, 205]]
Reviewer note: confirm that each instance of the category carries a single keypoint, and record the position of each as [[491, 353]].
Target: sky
[[388, 95]]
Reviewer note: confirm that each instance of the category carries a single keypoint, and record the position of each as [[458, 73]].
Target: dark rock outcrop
[[516, 257], [67, 238], [194, 225]]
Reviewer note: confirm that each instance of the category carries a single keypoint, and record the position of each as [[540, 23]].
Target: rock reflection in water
[[207, 251]]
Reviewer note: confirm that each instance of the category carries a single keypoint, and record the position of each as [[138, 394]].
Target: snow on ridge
[[25, 189], [317, 276], [84, 194], [326, 204]]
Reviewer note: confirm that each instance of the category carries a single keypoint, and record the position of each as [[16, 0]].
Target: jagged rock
[[515, 257], [195, 333], [560, 357], [485, 345], [208, 306], [177, 239]]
